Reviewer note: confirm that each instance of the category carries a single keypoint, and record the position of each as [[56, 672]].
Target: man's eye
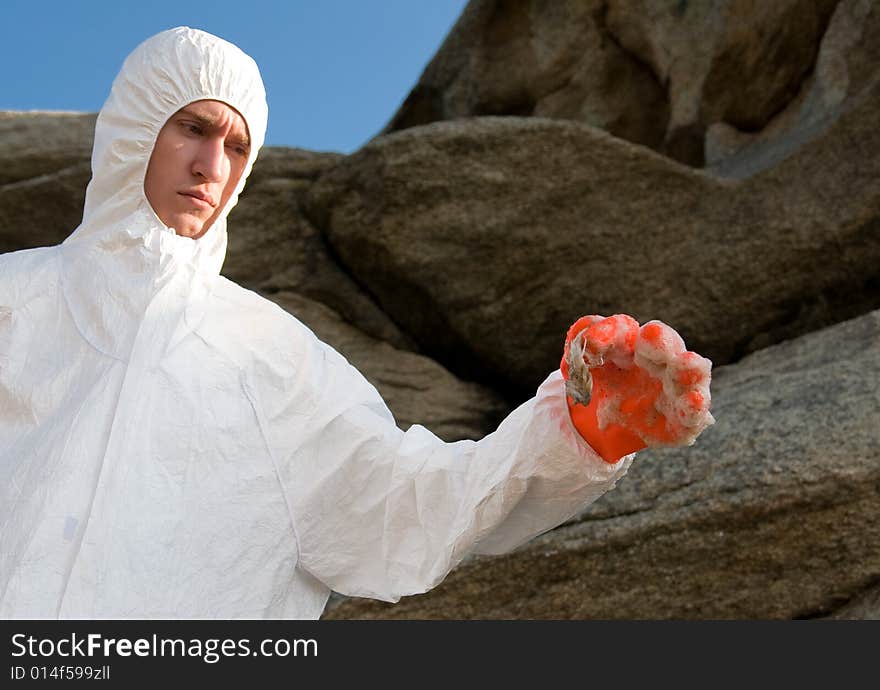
[[192, 129]]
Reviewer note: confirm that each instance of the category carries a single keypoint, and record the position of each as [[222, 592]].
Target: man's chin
[[192, 233], [190, 227]]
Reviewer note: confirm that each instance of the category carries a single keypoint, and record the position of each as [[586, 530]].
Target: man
[[174, 446]]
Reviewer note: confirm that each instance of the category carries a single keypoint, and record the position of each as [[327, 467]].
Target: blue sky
[[335, 70]]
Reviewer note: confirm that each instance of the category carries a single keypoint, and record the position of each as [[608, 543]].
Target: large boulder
[[772, 514], [485, 238], [657, 74]]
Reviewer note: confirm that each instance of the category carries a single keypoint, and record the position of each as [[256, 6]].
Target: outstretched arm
[[631, 387], [382, 513]]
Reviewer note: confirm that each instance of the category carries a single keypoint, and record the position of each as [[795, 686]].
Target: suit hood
[[122, 256]]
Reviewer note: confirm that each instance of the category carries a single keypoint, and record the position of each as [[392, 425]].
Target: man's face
[[199, 157]]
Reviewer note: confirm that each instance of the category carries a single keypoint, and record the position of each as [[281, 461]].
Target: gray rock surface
[[865, 606], [773, 513]]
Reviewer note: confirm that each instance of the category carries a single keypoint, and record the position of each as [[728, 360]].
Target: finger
[[580, 325], [690, 406], [657, 346], [613, 338], [687, 372], [690, 370], [692, 416], [691, 376]]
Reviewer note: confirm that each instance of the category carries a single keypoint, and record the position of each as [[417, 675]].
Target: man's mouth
[[200, 198]]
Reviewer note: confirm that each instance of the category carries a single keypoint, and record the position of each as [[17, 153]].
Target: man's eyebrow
[[206, 121], [201, 119], [243, 140]]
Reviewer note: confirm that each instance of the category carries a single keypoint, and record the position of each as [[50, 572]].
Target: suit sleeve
[[383, 513]]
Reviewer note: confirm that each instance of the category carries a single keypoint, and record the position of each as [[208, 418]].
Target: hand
[[629, 388]]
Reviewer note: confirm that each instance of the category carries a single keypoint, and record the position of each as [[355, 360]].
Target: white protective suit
[[174, 446]]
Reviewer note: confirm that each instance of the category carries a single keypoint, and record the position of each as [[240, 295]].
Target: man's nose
[[210, 161]]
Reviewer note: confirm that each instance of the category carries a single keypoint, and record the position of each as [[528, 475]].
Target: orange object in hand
[[631, 387]]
